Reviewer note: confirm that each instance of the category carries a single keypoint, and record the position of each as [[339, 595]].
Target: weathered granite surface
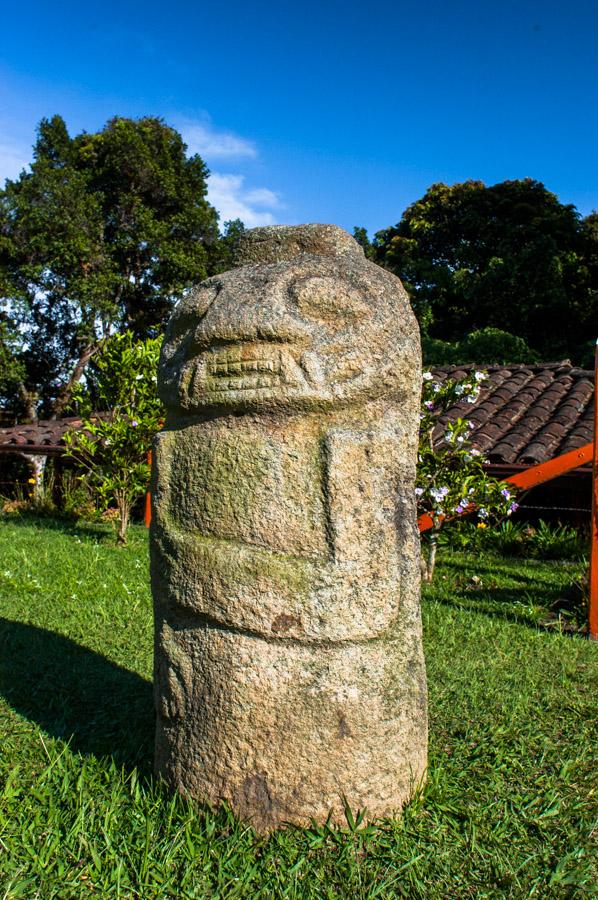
[[289, 672]]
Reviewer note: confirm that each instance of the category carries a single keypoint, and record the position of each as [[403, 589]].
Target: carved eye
[[192, 308], [329, 300], [204, 296]]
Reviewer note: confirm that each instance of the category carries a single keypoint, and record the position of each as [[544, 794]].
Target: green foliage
[[451, 479], [78, 498], [361, 236], [556, 542], [493, 345], [12, 369], [485, 347], [105, 231], [509, 256], [543, 541], [112, 447], [224, 252], [438, 353], [509, 805]]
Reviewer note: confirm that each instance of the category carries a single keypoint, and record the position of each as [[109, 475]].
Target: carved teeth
[[230, 363], [247, 383]]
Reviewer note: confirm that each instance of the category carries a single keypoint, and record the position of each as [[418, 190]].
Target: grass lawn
[[509, 810]]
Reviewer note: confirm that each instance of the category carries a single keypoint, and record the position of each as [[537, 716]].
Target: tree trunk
[[38, 464], [30, 400], [64, 395], [123, 521], [429, 560]]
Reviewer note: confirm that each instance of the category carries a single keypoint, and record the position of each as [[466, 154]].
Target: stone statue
[[289, 669]]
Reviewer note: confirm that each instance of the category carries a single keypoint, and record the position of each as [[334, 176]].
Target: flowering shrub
[[113, 447], [451, 478]]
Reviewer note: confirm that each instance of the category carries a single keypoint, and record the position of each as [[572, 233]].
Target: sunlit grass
[[508, 811]]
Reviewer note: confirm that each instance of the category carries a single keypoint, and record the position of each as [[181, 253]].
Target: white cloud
[[262, 197], [228, 192], [233, 201], [12, 160], [210, 143]]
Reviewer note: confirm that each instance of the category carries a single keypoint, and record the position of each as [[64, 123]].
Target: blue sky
[[326, 111]]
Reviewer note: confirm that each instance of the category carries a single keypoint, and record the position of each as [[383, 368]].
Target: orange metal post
[[148, 498], [593, 586]]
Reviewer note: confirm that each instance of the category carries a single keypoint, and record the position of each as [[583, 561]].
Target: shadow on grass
[[514, 605], [76, 694], [536, 572], [541, 594]]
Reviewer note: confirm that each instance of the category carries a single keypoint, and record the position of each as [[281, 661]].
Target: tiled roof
[[526, 414], [41, 437]]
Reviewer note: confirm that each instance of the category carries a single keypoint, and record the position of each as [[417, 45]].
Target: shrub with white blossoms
[[113, 448], [451, 477]]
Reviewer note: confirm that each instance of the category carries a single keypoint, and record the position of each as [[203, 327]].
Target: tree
[[361, 236], [225, 251], [112, 447], [590, 227], [103, 233], [489, 345], [509, 256]]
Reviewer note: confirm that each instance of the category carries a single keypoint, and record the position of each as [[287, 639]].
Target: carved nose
[[226, 322]]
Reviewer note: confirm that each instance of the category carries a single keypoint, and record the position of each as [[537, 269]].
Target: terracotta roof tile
[[41, 437], [526, 414]]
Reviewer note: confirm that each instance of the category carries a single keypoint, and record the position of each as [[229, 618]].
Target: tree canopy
[[509, 256], [103, 233], [489, 345]]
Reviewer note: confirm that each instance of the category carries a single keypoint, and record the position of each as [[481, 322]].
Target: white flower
[[459, 390], [419, 491], [436, 387], [480, 376], [138, 377], [427, 376], [475, 452], [460, 438]]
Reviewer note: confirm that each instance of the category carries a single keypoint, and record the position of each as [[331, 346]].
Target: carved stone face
[[302, 334]]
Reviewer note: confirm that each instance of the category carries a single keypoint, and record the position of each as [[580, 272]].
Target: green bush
[[111, 450], [492, 345], [508, 538], [488, 346]]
